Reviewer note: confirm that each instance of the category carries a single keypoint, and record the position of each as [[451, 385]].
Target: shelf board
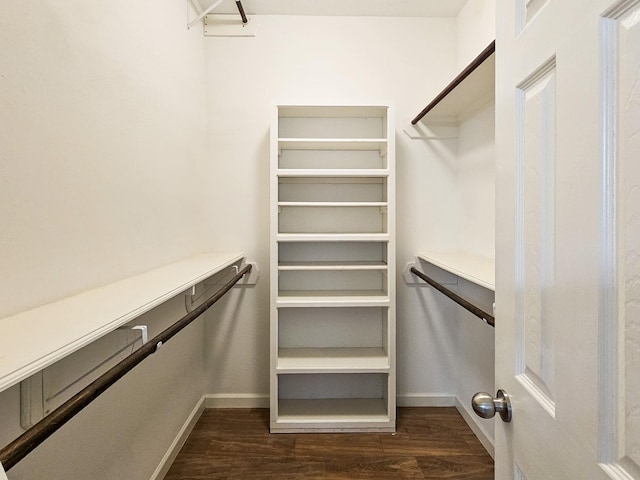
[[34, 339], [325, 265], [327, 298], [332, 111], [332, 204], [332, 144], [332, 172], [475, 82], [332, 360], [476, 269], [328, 180], [332, 415], [332, 237]]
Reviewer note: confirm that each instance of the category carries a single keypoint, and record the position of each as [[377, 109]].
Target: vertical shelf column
[[332, 316]]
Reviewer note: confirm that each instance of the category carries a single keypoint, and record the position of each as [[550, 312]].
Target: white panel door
[[568, 238]]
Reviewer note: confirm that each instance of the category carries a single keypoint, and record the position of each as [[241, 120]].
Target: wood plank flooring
[[235, 444]]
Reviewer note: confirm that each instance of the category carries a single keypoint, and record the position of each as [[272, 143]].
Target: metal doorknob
[[486, 406]]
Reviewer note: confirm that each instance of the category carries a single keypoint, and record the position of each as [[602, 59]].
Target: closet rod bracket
[[141, 328]]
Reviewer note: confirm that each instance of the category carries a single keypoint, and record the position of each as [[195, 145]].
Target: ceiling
[[381, 8]]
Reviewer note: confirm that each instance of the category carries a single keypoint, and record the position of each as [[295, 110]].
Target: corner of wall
[[478, 428], [476, 28]]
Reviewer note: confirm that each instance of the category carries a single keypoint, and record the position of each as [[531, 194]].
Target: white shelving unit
[[332, 269], [35, 339]]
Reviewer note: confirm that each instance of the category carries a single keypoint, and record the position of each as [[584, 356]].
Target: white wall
[[102, 138], [476, 28], [103, 130], [405, 61]]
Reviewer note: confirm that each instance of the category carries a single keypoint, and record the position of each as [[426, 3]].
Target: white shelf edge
[[332, 360], [331, 266], [332, 237], [294, 143], [39, 337], [332, 411], [333, 172], [304, 110], [284, 301], [333, 204], [475, 269]]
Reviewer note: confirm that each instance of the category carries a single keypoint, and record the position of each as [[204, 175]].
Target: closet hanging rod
[[11, 454], [475, 63], [489, 319], [241, 11]]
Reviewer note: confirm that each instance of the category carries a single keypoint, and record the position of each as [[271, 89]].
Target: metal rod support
[[489, 319], [29, 440], [475, 63], [241, 11]]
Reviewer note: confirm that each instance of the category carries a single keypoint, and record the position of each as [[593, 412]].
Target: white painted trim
[[425, 400], [179, 441], [236, 400], [485, 439]]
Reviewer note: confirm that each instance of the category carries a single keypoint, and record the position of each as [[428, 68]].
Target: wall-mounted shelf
[[476, 80], [478, 270], [37, 338], [471, 89]]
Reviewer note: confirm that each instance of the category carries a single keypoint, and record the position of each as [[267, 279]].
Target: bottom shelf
[[333, 415]]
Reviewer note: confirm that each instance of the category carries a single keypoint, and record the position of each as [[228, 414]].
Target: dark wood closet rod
[[486, 53], [241, 11], [489, 319], [29, 440]]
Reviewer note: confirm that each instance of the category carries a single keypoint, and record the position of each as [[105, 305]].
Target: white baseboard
[[179, 441], [474, 423], [236, 400], [425, 400]]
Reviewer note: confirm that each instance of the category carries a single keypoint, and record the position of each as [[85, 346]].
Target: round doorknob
[[486, 406]]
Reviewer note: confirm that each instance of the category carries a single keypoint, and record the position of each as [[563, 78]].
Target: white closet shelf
[[37, 338], [338, 298], [315, 180], [476, 269], [470, 87], [332, 204], [325, 265], [332, 360], [331, 111], [332, 172], [474, 90], [332, 144], [331, 414], [332, 237]]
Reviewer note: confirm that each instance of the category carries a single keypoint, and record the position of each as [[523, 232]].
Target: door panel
[[535, 161], [620, 441], [568, 238]]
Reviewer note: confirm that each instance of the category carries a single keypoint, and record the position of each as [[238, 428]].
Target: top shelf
[[37, 338], [470, 86], [475, 269], [331, 111]]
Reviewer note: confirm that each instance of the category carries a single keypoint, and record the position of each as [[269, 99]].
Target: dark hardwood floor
[[235, 444]]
